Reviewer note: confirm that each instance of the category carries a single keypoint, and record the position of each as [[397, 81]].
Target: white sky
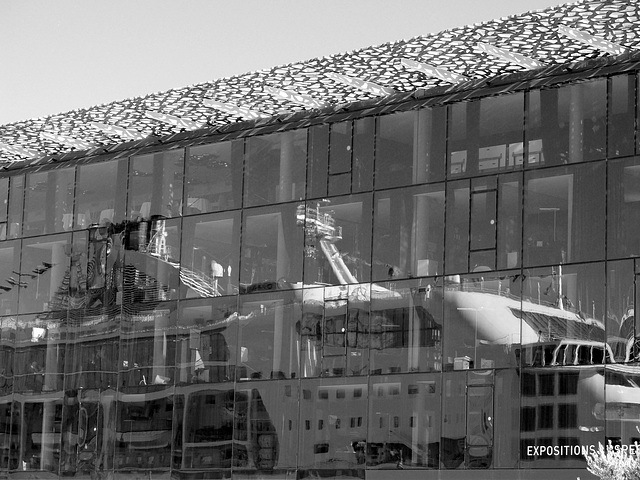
[[59, 55]]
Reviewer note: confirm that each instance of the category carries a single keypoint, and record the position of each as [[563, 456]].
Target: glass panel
[[406, 326], [271, 252], [145, 402], [268, 339], [482, 322], [39, 355], [210, 250], [562, 313], [265, 437], [101, 193], [567, 412], [8, 329], [49, 202], [340, 152], [41, 420], [621, 123], [454, 420], [4, 199], [363, 145], [623, 214], [328, 442], [9, 281], [275, 168], [44, 274], [207, 340], [214, 177], [395, 149], [408, 233], [486, 135], [620, 321], [509, 221], [335, 335], [621, 409], [567, 124], [564, 215], [479, 450], [457, 227], [318, 169], [16, 206], [152, 273], [155, 185], [337, 240], [506, 421], [406, 437]]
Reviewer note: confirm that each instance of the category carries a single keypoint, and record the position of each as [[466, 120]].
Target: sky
[[60, 55]]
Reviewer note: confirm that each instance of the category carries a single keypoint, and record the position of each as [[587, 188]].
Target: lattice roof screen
[[558, 35]]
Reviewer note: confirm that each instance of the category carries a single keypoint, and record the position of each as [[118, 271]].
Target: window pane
[[155, 185], [207, 340], [9, 284], [406, 326], [486, 135], [318, 169], [101, 193], [214, 177], [337, 240], [621, 115], [16, 206], [564, 215], [49, 202], [44, 274], [623, 216], [275, 168], [407, 437], [210, 249], [271, 251], [457, 227], [363, 145], [268, 337], [408, 233], [567, 124]]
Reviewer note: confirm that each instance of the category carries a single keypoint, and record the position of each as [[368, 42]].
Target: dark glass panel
[[42, 424], [4, 199], [340, 148], [562, 312], [49, 202], [408, 235], [152, 272], [454, 420], [509, 221], [101, 193], [213, 178], [336, 447], [623, 214], [271, 252], [567, 124], [44, 274], [16, 206], [406, 326], [482, 322], [564, 215], [622, 106], [395, 148], [210, 250], [155, 185], [404, 422], [337, 240], [8, 329], [275, 168], [268, 337], [457, 227], [486, 135], [506, 418], [363, 145], [318, 168]]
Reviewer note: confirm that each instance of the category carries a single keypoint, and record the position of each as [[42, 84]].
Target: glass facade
[[441, 287]]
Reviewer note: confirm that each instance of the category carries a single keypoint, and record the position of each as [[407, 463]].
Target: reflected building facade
[[443, 287]]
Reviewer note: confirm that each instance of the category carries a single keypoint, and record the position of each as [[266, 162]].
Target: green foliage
[[615, 463]]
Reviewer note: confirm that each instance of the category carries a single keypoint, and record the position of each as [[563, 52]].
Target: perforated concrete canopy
[[560, 35]]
